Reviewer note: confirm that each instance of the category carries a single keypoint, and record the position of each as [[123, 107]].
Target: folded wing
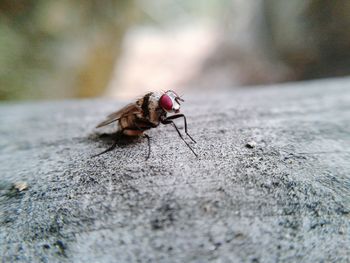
[[129, 109]]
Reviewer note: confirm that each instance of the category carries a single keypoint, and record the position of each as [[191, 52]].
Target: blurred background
[[122, 48]]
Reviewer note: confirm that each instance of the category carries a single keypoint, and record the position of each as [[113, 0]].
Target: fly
[[148, 112]]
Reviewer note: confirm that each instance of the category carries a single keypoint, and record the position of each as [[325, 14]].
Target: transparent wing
[[123, 112]]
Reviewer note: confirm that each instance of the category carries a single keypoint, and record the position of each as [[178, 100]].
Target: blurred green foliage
[[63, 49], [58, 49], [311, 36], [55, 49]]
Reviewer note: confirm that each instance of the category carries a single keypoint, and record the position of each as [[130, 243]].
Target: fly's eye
[[165, 102]]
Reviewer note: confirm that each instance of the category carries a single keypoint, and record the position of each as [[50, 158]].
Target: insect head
[[170, 101]]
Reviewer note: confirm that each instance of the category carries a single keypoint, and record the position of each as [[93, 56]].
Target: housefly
[[148, 112]]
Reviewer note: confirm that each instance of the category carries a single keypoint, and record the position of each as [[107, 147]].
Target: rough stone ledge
[[271, 182]]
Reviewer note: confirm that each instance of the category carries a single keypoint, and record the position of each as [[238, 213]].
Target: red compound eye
[[166, 103]]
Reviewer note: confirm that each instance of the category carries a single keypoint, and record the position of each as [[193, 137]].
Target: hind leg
[[108, 149], [127, 132]]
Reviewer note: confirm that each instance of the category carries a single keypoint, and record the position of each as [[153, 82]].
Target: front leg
[[167, 121], [173, 117]]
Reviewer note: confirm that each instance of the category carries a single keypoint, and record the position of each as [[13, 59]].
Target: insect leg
[[166, 121], [108, 149], [185, 122], [149, 145], [112, 147], [143, 126]]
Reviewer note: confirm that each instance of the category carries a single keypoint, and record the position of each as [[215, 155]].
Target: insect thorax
[[151, 109], [150, 114]]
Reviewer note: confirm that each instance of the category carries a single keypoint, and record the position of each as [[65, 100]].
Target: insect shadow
[[115, 140]]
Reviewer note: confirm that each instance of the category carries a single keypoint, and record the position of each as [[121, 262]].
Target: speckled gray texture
[[287, 199]]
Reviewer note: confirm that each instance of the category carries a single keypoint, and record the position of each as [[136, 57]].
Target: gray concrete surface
[[285, 200]]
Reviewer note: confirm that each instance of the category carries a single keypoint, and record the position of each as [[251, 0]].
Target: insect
[[148, 112]]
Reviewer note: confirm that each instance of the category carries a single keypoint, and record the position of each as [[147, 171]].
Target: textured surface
[[287, 198]]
